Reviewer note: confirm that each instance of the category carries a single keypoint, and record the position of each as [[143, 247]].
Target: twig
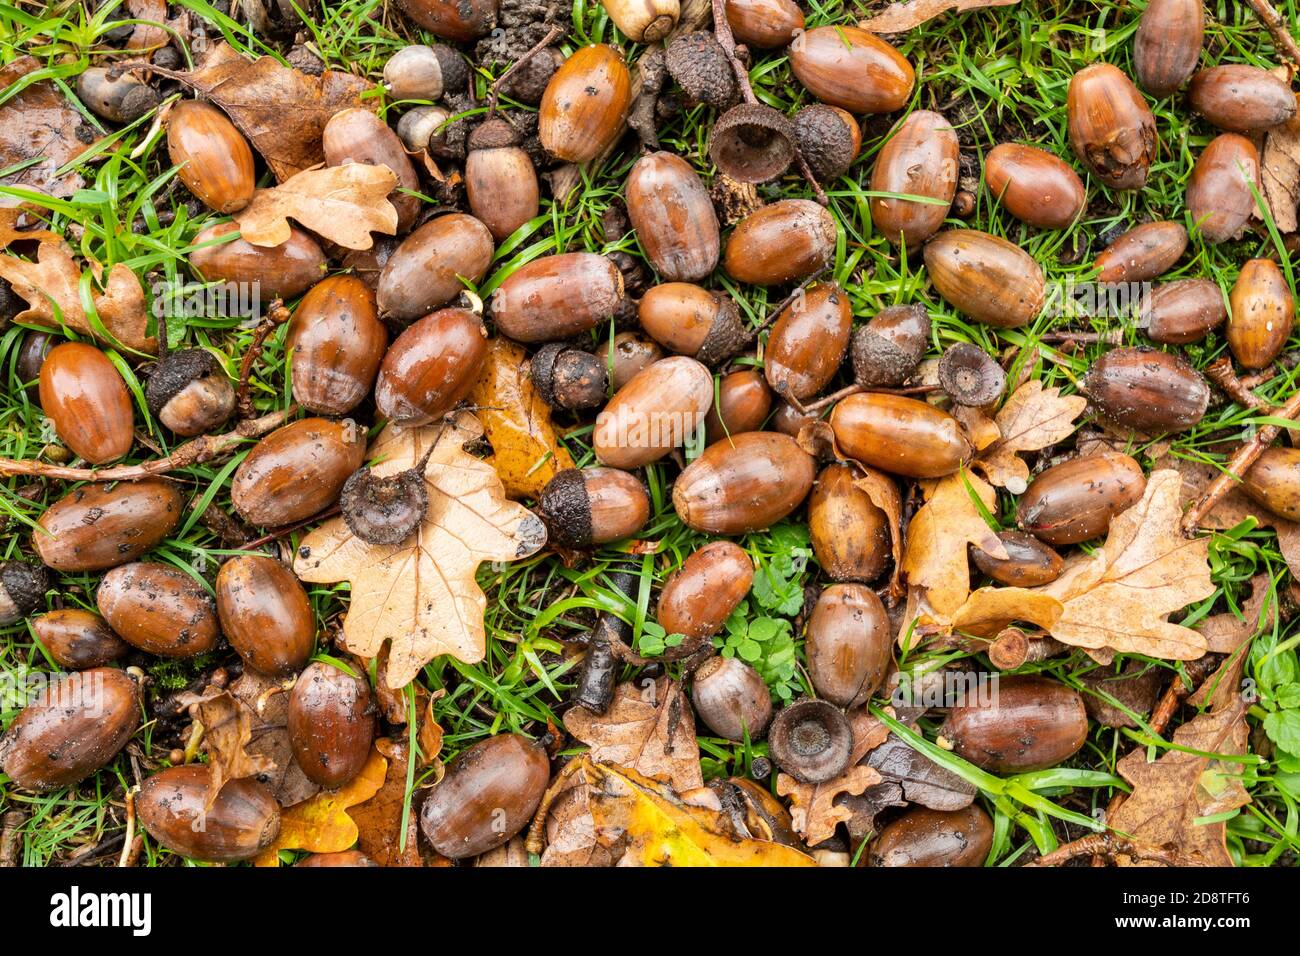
[[1177, 692], [1111, 845], [536, 841], [1221, 373], [551, 36], [848, 390], [129, 836], [1276, 26], [288, 529], [276, 316], [1115, 337]]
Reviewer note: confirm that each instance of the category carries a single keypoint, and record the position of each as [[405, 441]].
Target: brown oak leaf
[[903, 16], [884, 494], [227, 731], [379, 819], [10, 233], [1032, 418], [343, 204], [39, 124], [268, 702], [1280, 172]]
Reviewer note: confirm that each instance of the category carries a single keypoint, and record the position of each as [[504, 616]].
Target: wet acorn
[[121, 99], [919, 159], [1031, 723], [752, 143], [741, 405], [340, 858], [419, 72], [900, 435], [788, 420], [459, 20], [1074, 501], [591, 506], [285, 271], [1146, 390], [986, 277], [699, 64], [101, 526], [1029, 562], [331, 724], [216, 161], [829, 139], [1111, 127], [568, 378], [889, 347], [265, 614], [296, 471], [424, 128], [585, 104], [1220, 200], [808, 340], [77, 639], [629, 353], [31, 356], [424, 273], [1167, 44], [698, 597], [556, 297], [22, 589], [241, 822], [764, 24], [357, 135], [850, 68], [1183, 311], [933, 838], [1034, 186], [654, 413], [970, 376], [158, 609], [70, 729], [849, 643], [336, 343], [811, 740], [489, 794], [784, 241], [1274, 481], [1262, 314], [500, 179], [744, 483], [85, 398], [673, 217], [850, 534], [731, 698], [694, 321], [190, 392], [1241, 98], [643, 21], [1144, 252], [431, 366]]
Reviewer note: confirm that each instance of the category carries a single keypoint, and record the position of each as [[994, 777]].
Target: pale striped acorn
[[425, 272], [120, 99], [85, 398], [808, 340], [101, 526], [1147, 390], [784, 241], [556, 297], [849, 644], [419, 72], [741, 405], [500, 179], [850, 68], [850, 535], [673, 217], [654, 413], [296, 471], [694, 321], [586, 104], [431, 366], [1241, 98], [356, 135], [459, 20], [1111, 127], [986, 277], [216, 161], [919, 159], [1074, 501], [1262, 314], [731, 698], [643, 21], [1274, 481], [284, 271], [1034, 186], [1144, 252], [1183, 311], [592, 506], [764, 24], [1167, 44], [1220, 199], [158, 609], [899, 435], [336, 343], [743, 484]]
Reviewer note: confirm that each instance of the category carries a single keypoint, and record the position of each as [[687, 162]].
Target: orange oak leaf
[[1032, 418], [343, 204]]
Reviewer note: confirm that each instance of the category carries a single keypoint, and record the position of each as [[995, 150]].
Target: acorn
[[1219, 197], [424, 128], [356, 135], [459, 20], [331, 724], [764, 24], [784, 241], [744, 483], [85, 398], [296, 471], [431, 366], [1183, 311], [1029, 562], [568, 378], [593, 506], [689, 320], [654, 413], [849, 644], [934, 838], [489, 794], [752, 143], [71, 729], [1274, 481], [811, 740], [850, 535], [889, 347], [1144, 252], [216, 161], [899, 435], [1074, 501], [31, 356], [585, 105], [741, 405], [22, 589], [643, 21], [702, 69], [419, 72], [1030, 723], [500, 180], [1034, 186], [731, 698], [121, 99], [919, 159], [829, 139], [285, 271], [850, 68], [557, 297], [241, 821], [158, 609], [77, 639], [970, 376], [673, 217], [425, 272], [1148, 391], [629, 353], [1241, 98], [1111, 127], [808, 340], [101, 526], [1262, 314], [335, 343], [190, 392], [698, 597], [1167, 44], [265, 614], [986, 277], [788, 420], [386, 509]]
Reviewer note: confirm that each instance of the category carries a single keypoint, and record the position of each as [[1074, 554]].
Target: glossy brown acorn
[[215, 160], [1263, 313], [431, 366], [86, 399], [422, 274], [1029, 562], [331, 724], [807, 343], [500, 179], [285, 271], [849, 644], [101, 526], [297, 471], [850, 535], [919, 159], [699, 596], [899, 435], [1274, 481], [629, 353], [744, 483], [585, 104], [1075, 500], [742, 405], [731, 698], [71, 729], [933, 838], [1167, 44], [1147, 390], [788, 420], [764, 24], [654, 413], [852, 69], [889, 347], [489, 794], [1111, 127], [1219, 196], [158, 609], [643, 21], [1241, 98], [556, 297], [78, 639], [590, 506], [1144, 252], [781, 242], [459, 20], [242, 820], [1183, 311], [1034, 186], [336, 342], [694, 321], [265, 614], [673, 216], [339, 858], [986, 277], [357, 135], [1031, 723]]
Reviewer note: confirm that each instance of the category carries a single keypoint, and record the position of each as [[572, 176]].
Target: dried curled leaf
[[321, 824], [268, 703], [227, 731], [10, 233], [1032, 418], [899, 17], [379, 819], [343, 204], [883, 492]]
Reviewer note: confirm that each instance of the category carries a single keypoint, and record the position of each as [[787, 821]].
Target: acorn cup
[[752, 143], [1111, 127], [829, 139], [643, 21], [702, 69], [970, 376]]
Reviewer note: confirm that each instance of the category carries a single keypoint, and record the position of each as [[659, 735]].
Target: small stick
[[1221, 373], [536, 841], [1176, 693], [276, 316], [848, 390], [1276, 26], [1115, 337], [1111, 845], [289, 529], [125, 859], [551, 36]]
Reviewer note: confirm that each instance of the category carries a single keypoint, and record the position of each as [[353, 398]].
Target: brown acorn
[[970, 376], [215, 160], [357, 135], [690, 320], [808, 340], [1144, 252], [628, 354], [1075, 500], [285, 271], [336, 343], [698, 597], [764, 24], [1184, 311], [752, 143], [1034, 186], [296, 471], [784, 241], [424, 128], [556, 297], [654, 413], [425, 272], [121, 99], [31, 356], [731, 698], [889, 347], [849, 644], [431, 366], [586, 104], [899, 435], [419, 72], [744, 483], [1274, 481], [158, 609], [190, 392], [265, 614], [1111, 127], [331, 724], [919, 159], [341, 858], [1146, 390], [459, 20], [500, 179], [850, 535], [87, 401], [788, 420], [1029, 562], [1219, 196], [568, 378], [933, 838], [77, 639], [829, 139], [592, 506], [1167, 44], [673, 217], [852, 69], [241, 821], [1031, 723], [101, 526], [1241, 98], [741, 405], [643, 21], [986, 277], [1262, 314]]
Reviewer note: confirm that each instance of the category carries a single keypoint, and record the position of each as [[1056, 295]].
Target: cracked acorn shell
[[459, 20], [557, 297], [808, 340], [850, 535], [920, 158], [243, 820], [431, 366], [158, 609], [849, 643], [1241, 98], [296, 471], [87, 401], [643, 21], [1074, 501], [331, 724], [216, 162], [744, 483], [356, 135], [899, 435], [100, 526], [986, 277], [1147, 390], [752, 143], [698, 597], [585, 104], [1034, 186], [265, 614], [1111, 127], [337, 342], [764, 24], [1274, 481], [284, 271], [1262, 314], [1167, 44], [850, 68], [673, 217], [1219, 197], [890, 346], [591, 506], [77, 639], [423, 274], [785, 241], [1183, 311], [1031, 723], [654, 413], [1144, 252], [690, 320]]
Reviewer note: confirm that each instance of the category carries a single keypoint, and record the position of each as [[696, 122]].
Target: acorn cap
[[701, 68], [385, 510], [752, 143], [811, 740], [495, 133], [566, 508], [970, 376], [888, 348], [541, 368], [455, 71], [22, 586], [825, 140], [727, 334], [174, 372]]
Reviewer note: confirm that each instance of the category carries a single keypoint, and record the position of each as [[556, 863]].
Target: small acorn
[[731, 698], [933, 838], [424, 128], [31, 356], [829, 139], [285, 271], [77, 639], [1031, 723], [585, 104], [1029, 562], [99, 526], [742, 404], [431, 366], [568, 378], [1262, 314], [592, 506], [22, 589], [1111, 127], [701, 68], [889, 347], [752, 143], [1274, 481], [122, 99], [808, 340], [336, 343], [764, 24], [629, 353], [237, 824], [690, 320], [1220, 199], [189, 392], [216, 161], [385, 509], [500, 179], [459, 20], [643, 21], [970, 376], [850, 68], [419, 72], [811, 740], [1144, 252], [1034, 186]]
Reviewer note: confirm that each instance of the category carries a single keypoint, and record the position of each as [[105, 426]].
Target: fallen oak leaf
[[1033, 418], [1280, 172], [41, 131], [379, 819], [900, 17], [268, 702], [343, 204], [227, 730], [10, 233], [988, 610]]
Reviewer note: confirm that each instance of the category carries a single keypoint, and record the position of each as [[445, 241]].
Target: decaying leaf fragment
[[898, 17], [268, 704], [10, 233], [1280, 172], [343, 204], [379, 819], [1031, 419], [227, 731], [39, 123]]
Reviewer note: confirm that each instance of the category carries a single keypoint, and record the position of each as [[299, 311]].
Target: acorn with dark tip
[[568, 378], [591, 506], [889, 347], [77, 639], [691, 320], [190, 393]]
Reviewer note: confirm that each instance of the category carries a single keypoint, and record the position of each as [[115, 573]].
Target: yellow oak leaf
[[343, 204], [988, 610], [1032, 418], [321, 824]]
